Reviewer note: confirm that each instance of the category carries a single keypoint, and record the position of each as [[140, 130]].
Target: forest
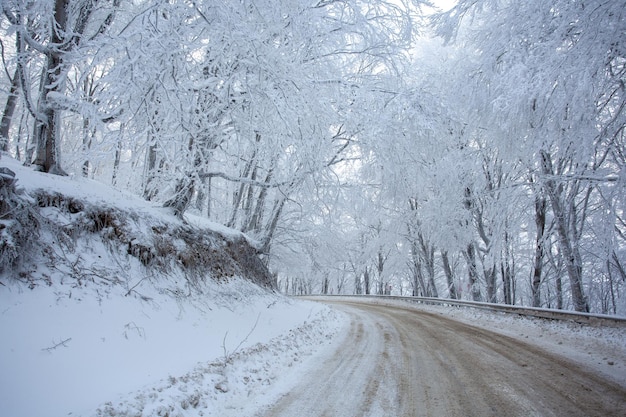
[[367, 146]]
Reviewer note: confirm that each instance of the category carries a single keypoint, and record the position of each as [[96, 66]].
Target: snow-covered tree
[[548, 79], [56, 31]]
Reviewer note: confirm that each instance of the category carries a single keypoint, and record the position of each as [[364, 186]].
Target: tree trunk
[[507, 283], [249, 169], [470, 257], [449, 275], [238, 195], [256, 218], [568, 243], [419, 286], [47, 158], [209, 213], [149, 191], [270, 229], [183, 193], [47, 155], [559, 293], [358, 286], [618, 266], [380, 268], [427, 255], [87, 138], [7, 115], [116, 162], [540, 225], [611, 287], [490, 280]]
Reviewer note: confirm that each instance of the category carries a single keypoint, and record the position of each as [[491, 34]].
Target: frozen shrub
[[19, 227]]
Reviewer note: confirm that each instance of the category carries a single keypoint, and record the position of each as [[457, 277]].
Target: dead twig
[[62, 343], [229, 355]]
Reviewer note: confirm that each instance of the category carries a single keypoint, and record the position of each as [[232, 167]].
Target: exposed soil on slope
[[43, 229]]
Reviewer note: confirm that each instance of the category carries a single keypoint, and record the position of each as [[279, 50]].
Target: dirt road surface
[[399, 361]]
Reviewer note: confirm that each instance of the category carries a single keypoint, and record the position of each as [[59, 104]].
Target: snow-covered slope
[[88, 328]]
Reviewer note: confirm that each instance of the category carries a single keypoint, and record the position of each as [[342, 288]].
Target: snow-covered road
[[360, 358], [402, 361]]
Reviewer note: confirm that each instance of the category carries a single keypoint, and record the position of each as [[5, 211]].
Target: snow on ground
[[119, 339], [104, 196], [147, 349], [63, 355], [600, 348]]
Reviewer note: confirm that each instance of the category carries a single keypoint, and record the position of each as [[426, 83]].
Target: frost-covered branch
[[82, 107], [242, 180]]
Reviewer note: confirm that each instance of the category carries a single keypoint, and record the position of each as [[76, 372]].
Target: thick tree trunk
[[183, 193], [470, 257], [270, 228], [611, 287], [490, 280], [358, 286], [238, 195], [380, 268], [507, 283], [540, 225], [419, 286], [47, 158], [153, 167], [449, 275], [366, 280], [253, 223], [568, 242], [428, 257], [47, 155], [325, 284], [7, 115]]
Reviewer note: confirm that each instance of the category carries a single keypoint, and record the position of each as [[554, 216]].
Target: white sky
[[444, 4]]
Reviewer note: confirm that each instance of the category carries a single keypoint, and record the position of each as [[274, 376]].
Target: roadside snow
[[602, 349], [100, 334], [63, 354], [146, 346]]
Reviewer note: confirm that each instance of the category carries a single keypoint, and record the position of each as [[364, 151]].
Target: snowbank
[[67, 350], [119, 308]]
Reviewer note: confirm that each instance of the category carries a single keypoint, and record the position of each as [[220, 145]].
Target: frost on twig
[[56, 345]]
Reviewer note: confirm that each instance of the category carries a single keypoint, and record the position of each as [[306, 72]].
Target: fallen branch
[[229, 355], [57, 345]]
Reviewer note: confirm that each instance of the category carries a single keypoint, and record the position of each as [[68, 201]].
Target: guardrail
[[544, 313]]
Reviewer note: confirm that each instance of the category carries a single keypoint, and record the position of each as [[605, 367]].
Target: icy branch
[[84, 108], [243, 180]]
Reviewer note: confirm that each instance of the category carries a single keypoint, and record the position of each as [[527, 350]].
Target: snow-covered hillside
[[90, 328]]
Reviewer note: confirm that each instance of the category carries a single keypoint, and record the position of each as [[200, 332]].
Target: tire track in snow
[[400, 361]]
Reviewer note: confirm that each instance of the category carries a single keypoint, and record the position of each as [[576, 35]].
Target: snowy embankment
[[107, 309], [93, 354]]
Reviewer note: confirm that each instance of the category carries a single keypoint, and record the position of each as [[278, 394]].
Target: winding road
[[398, 361]]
